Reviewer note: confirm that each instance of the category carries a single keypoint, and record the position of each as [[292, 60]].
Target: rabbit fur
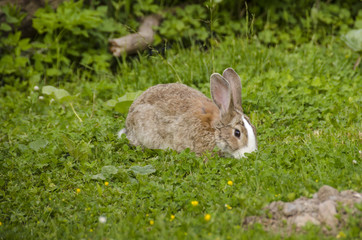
[[178, 117]]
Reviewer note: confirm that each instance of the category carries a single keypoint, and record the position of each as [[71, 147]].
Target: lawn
[[65, 175]]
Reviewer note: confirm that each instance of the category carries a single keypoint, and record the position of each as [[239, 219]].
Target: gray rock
[[276, 205], [351, 195], [347, 193], [358, 197], [334, 198], [275, 209], [315, 215], [310, 205], [302, 220], [327, 212], [319, 210], [326, 192], [291, 209]]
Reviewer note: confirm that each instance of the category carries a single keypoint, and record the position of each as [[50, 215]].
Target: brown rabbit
[[178, 117]]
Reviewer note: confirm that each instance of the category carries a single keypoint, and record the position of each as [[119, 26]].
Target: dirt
[[328, 208]]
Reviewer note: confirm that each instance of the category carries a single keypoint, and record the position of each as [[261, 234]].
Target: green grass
[[305, 103]]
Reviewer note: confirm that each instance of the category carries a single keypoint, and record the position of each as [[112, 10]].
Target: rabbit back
[[173, 116]]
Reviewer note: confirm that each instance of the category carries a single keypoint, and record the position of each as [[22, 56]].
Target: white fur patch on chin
[[251, 146], [122, 131]]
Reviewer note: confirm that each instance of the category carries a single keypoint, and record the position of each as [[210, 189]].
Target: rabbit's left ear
[[221, 93], [235, 85]]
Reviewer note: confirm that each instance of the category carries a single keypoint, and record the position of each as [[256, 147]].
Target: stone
[[327, 212], [302, 220], [358, 197], [319, 210], [326, 192], [275, 209], [347, 193], [291, 209], [352, 195], [275, 206], [310, 205]]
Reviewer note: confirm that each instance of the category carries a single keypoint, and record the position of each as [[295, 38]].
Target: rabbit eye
[[237, 133]]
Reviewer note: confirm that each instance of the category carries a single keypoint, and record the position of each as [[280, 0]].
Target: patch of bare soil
[[328, 208]]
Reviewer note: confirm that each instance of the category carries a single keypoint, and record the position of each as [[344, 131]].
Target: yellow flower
[[91, 230], [228, 206], [341, 235], [172, 217], [207, 217], [1, 223], [152, 222], [195, 203], [230, 183], [78, 190], [106, 183], [316, 180]]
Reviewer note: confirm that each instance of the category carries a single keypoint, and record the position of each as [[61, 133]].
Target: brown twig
[[136, 41]]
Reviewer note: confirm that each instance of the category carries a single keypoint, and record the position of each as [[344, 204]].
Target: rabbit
[[178, 117]]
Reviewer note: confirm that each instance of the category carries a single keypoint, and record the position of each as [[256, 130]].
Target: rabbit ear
[[220, 92], [235, 84]]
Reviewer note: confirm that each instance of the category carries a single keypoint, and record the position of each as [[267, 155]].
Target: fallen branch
[[136, 41]]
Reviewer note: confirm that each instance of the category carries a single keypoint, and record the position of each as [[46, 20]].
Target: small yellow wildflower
[[78, 190], [91, 230], [172, 217], [316, 180], [341, 235], [106, 183], [207, 217], [195, 203], [228, 206], [1, 223], [230, 183], [152, 222]]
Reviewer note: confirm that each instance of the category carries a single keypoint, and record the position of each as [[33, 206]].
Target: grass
[[305, 103]]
